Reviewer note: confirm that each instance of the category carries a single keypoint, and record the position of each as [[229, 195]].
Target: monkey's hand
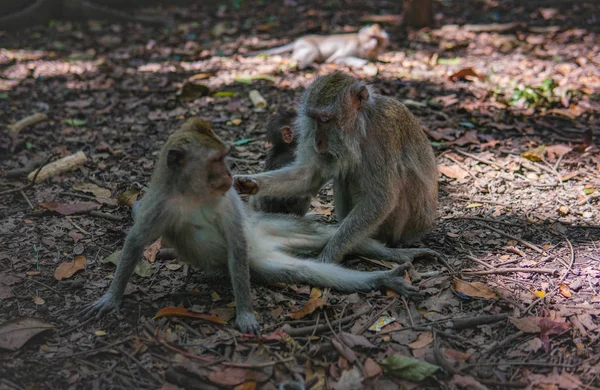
[[245, 185], [394, 280], [247, 323], [107, 303]]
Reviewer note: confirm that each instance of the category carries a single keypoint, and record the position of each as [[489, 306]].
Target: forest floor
[[514, 118]]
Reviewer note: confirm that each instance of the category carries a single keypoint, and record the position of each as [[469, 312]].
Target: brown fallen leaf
[[345, 351], [556, 151], [16, 332], [37, 300], [191, 91], [424, 339], [320, 208], [355, 340], [75, 236], [536, 154], [372, 369], [453, 171], [474, 289], [570, 175], [468, 74], [69, 268], [311, 305], [246, 386], [470, 137], [183, 312], [128, 197], [152, 250], [70, 208], [230, 376], [92, 188], [224, 313]]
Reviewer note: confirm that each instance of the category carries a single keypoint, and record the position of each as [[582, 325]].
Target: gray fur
[[382, 166]]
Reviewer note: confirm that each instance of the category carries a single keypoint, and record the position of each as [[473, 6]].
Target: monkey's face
[[332, 122], [373, 40], [199, 171]]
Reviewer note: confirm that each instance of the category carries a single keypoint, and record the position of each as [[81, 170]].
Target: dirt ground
[[512, 111]]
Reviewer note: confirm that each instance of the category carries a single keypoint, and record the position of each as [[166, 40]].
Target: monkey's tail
[[278, 267], [275, 50]]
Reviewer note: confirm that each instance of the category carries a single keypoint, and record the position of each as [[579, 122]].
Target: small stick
[[257, 100], [527, 244], [112, 217], [35, 176], [439, 356], [295, 332], [139, 364], [108, 346], [28, 121], [258, 365], [30, 166], [76, 226], [38, 282], [484, 219], [509, 270], [26, 199], [476, 158], [486, 265], [471, 322], [570, 263]]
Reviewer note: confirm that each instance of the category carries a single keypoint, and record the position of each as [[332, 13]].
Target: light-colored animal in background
[[350, 49]]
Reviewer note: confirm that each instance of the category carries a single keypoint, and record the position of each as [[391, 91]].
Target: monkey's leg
[[354, 62], [131, 253], [278, 267], [237, 264]]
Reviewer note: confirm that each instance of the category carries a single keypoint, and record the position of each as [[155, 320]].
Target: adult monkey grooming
[[382, 166], [349, 49], [190, 203]]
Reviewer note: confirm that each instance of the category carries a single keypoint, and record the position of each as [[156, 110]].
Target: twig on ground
[[37, 282], [562, 279], [33, 179], [482, 160], [509, 270], [483, 220], [526, 243], [439, 356], [475, 259], [104, 347], [27, 200], [28, 121], [307, 330], [258, 365], [30, 166], [139, 364], [76, 226], [111, 217]]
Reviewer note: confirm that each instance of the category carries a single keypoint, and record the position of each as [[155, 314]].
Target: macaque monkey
[[283, 146], [350, 49], [383, 168], [191, 203]]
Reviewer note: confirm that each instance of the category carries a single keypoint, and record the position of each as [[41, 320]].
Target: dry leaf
[[230, 376], [224, 313], [424, 339], [75, 236], [372, 369], [183, 312], [152, 250], [470, 137], [128, 197], [92, 188], [16, 332], [320, 208], [246, 386], [70, 208], [318, 372], [453, 171], [474, 289], [468, 74], [355, 340], [536, 154], [556, 151], [37, 300], [315, 293], [526, 324], [69, 268], [190, 91], [310, 306]]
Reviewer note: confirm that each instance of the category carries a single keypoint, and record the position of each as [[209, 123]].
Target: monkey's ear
[[287, 135], [360, 96], [175, 158]]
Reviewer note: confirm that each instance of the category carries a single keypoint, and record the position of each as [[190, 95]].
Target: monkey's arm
[[360, 223], [142, 233], [287, 181], [238, 265]]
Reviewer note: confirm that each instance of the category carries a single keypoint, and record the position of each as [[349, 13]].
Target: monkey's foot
[[245, 184], [106, 304], [408, 255], [247, 323], [394, 280]]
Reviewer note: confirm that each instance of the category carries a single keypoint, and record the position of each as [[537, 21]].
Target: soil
[[513, 113]]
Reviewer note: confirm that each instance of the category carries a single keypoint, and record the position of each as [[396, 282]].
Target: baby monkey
[[191, 203], [349, 49], [283, 147]]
